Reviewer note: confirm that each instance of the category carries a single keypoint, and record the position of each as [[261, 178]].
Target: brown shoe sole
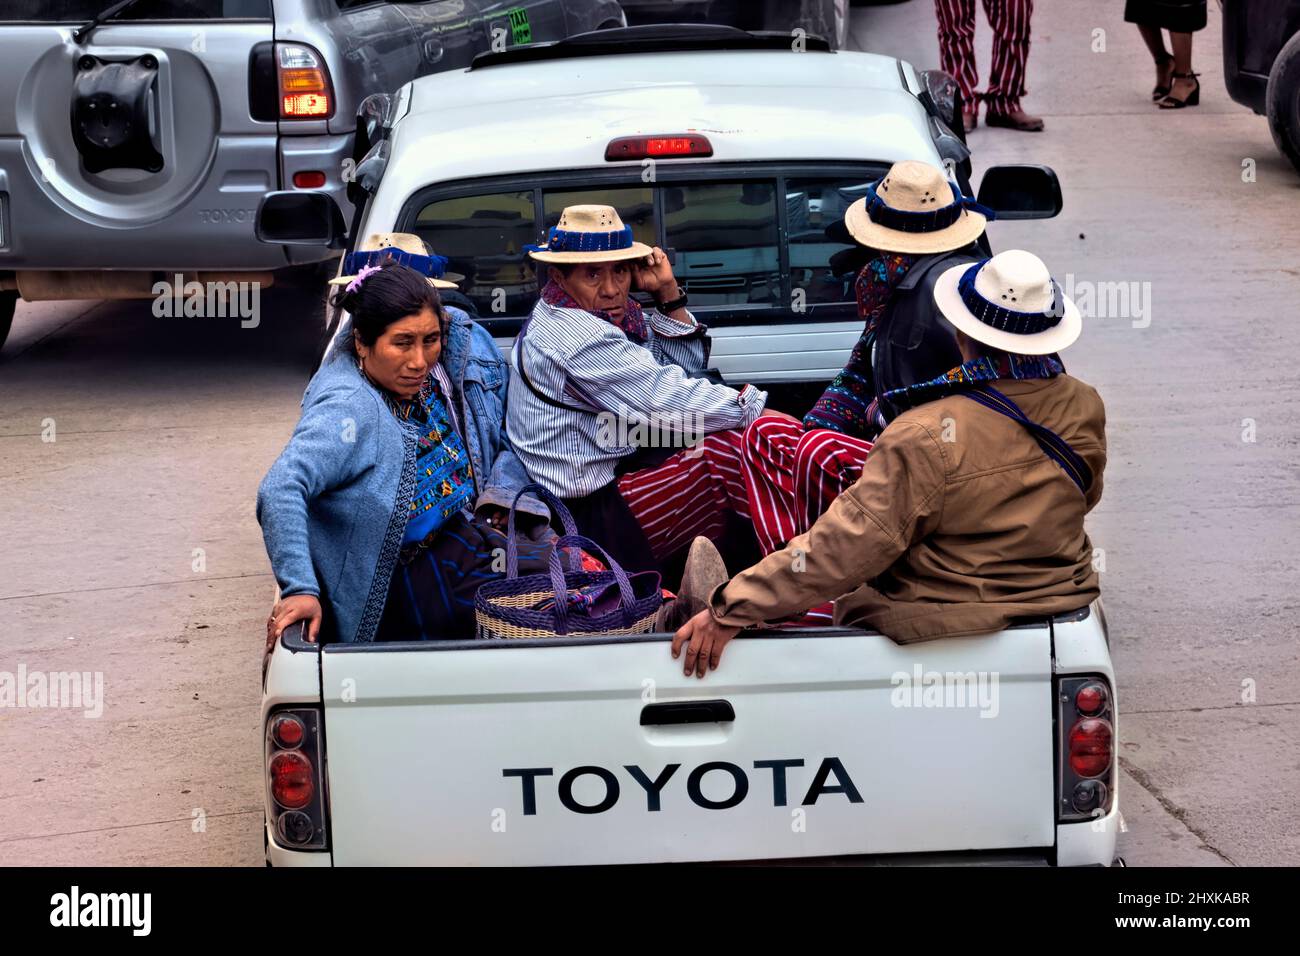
[[1003, 122], [704, 571]]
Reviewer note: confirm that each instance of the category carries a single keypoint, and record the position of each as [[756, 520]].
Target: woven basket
[[506, 609]]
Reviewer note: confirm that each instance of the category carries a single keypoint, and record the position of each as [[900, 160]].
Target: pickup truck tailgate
[[842, 742]]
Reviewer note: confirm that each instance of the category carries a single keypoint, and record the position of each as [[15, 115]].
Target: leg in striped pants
[[957, 44], [793, 476], [689, 494], [1010, 22]]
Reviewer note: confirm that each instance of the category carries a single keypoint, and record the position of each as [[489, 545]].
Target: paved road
[[130, 545], [1201, 529]]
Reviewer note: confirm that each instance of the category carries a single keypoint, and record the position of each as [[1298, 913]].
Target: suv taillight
[[263, 84], [295, 779], [305, 90], [1085, 748]]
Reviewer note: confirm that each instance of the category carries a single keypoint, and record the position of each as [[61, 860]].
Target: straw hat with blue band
[[915, 209], [404, 247], [1010, 302], [589, 234]]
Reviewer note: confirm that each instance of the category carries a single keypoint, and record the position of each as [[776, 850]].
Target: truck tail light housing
[[288, 731], [304, 82], [670, 146], [292, 785], [295, 779], [1086, 762], [1090, 747]]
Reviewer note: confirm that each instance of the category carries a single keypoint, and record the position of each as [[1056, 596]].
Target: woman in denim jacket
[[374, 514]]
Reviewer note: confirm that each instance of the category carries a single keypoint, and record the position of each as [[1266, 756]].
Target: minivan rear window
[[82, 11], [748, 243]]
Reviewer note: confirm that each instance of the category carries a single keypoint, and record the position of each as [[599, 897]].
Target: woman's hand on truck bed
[[297, 607]]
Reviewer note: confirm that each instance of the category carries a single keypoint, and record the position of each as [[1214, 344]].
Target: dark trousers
[[431, 593], [604, 517]]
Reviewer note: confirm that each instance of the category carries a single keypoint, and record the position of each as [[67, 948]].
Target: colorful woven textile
[[444, 476], [845, 406], [984, 369]]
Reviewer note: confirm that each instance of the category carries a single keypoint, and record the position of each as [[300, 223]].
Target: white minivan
[[734, 152]]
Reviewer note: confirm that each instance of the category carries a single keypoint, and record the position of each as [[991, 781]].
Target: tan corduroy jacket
[[960, 523]]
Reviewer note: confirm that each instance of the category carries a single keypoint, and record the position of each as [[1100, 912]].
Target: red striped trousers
[[689, 494], [792, 477], [1010, 22]]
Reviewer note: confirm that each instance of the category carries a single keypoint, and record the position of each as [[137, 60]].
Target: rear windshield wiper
[[79, 35]]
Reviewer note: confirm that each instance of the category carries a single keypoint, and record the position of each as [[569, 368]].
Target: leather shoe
[[1019, 120], [704, 571]]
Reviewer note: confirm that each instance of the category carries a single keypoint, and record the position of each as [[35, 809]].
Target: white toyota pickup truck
[[733, 152]]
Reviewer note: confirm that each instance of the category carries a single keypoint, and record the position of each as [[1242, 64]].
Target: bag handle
[[1052, 444], [562, 515], [626, 597]]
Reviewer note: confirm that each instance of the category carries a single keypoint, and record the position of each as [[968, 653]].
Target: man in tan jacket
[[969, 511]]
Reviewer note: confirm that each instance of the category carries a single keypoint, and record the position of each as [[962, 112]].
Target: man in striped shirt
[[604, 406]]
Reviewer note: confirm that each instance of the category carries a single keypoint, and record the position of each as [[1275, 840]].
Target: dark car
[[828, 19], [1261, 64]]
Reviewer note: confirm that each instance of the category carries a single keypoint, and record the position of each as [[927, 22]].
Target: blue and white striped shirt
[[579, 359]]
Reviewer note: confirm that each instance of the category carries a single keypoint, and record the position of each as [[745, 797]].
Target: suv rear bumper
[[213, 230]]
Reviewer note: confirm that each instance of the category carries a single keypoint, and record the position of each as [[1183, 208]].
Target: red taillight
[[305, 89], [658, 147], [288, 732], [1090, 700], [1090, 747], [313, 179], [305, 105], [292, 785]]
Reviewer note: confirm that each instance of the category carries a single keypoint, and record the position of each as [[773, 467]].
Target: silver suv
[[139, 147]]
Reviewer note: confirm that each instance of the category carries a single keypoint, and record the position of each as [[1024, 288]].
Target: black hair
[[387, 296]]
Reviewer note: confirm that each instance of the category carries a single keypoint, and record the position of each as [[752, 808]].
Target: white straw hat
[[408, 249], [915, 209], [1010, 302], [589, 234]]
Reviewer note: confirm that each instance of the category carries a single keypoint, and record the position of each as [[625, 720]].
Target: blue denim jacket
[[334, 505]]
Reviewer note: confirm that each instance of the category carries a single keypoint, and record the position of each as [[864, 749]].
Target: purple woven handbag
[[538, 605]]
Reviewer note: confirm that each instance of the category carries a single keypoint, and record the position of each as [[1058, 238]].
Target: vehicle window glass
[[82, 11], [811, 206], [635, 205], [484, 237], [353, 4], [724, 237]]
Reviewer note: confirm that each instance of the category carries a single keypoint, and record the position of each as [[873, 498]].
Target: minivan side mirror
[[297, 217], [1021, 191]]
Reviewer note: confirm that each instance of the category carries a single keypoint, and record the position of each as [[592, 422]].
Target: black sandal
[[1159, 92], [1193, 98]]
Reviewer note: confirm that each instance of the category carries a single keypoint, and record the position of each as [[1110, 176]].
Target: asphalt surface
[[130, 545]]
